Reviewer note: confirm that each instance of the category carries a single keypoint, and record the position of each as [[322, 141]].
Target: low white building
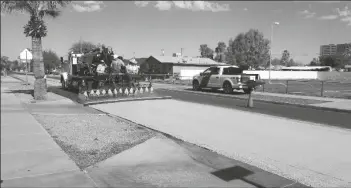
[[25, 56]]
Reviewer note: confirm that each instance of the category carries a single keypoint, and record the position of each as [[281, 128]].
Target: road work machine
[[91, 76]]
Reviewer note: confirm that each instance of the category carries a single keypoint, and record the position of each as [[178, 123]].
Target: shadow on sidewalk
[[20, 91]]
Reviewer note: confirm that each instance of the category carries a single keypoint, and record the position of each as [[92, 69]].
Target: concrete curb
[[260, 100], [125, 100]]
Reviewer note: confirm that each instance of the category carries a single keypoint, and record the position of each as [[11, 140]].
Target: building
[[333, 49], [342, 48], [184, 67], [347, 68], [26, 56], [326, 50]]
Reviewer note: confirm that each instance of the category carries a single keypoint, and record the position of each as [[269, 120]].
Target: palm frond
[[35, 28], [51, 13], [17, 6], [51, 8]]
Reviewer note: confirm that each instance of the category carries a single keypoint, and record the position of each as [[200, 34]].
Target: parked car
[[223, 77]]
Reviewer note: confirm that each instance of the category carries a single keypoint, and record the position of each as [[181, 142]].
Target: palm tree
[[36, 28]]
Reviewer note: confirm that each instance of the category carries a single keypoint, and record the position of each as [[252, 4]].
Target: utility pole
[[181, 52], [80, 43]]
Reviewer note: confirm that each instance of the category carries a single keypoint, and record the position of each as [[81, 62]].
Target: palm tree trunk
[[40, 87]]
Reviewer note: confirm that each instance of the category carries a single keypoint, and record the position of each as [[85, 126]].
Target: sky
[[145, 28]]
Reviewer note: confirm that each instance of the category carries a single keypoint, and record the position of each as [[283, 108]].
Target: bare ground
[[89, 139]]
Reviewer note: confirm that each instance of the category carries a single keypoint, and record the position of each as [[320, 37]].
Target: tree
[[36, 29], [275, 61], [292, 62], [285, 58], [51, 60], [220, 52], [205, 51], [250, 48], [4, 62], [314, 62], [83, 46], [333, 61]]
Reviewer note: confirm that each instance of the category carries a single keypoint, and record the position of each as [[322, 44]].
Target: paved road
[[337, 119], [338, 89]]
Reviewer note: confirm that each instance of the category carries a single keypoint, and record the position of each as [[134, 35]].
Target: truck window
[[207, 71], [232, 71], [214, 70]]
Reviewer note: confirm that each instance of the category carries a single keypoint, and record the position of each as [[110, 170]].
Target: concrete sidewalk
[[29, 155], [313, 154]]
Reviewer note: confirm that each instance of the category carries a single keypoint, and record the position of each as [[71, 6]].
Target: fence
[[299, 75], [339, 89]]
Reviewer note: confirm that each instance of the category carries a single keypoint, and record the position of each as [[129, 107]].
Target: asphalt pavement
[[337, 119]]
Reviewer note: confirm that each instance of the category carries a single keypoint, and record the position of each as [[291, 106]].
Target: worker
[[101, 67], [117, 64]]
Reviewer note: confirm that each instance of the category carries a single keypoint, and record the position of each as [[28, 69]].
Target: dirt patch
[[89, 139]]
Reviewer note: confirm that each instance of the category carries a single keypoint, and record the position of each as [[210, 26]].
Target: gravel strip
[[89, 139]]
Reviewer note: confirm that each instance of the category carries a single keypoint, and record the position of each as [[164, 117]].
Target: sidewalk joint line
[[87, 174], [289, 184]]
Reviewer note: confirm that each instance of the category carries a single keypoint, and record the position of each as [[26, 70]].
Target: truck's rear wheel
[[227, 88], [196, 85]]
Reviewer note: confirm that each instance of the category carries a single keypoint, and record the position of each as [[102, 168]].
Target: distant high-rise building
[[342, 48], [327, 50]]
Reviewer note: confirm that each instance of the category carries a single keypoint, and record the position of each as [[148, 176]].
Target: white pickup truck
[[226, 77]]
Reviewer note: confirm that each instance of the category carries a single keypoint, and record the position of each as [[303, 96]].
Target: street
[[336, 119]]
